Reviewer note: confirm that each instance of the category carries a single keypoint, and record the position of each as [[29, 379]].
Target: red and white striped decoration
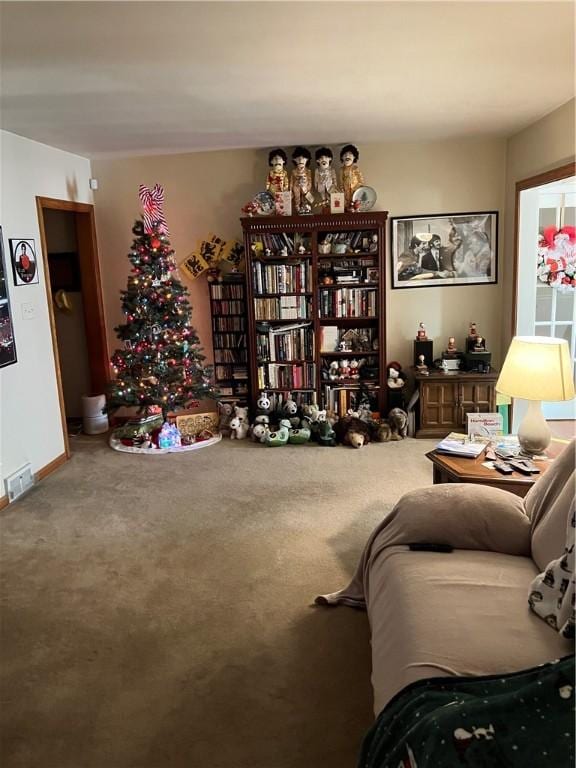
[[153, 202]]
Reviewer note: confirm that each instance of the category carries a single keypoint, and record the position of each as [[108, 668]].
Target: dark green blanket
[[522, 720]]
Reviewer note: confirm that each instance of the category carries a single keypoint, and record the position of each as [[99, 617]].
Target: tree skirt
[[115, 443]]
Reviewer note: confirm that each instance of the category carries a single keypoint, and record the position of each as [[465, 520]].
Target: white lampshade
[[537, 368]]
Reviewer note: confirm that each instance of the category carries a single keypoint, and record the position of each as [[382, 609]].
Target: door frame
[[556, 174], [91, 293]]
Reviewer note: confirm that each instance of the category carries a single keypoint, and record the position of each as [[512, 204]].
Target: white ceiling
[[155, 77]]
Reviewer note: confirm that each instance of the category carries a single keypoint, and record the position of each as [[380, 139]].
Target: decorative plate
[[366, 196], [265, 202]]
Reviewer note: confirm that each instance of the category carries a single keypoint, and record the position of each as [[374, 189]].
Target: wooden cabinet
[[316, 299], [446, 398]]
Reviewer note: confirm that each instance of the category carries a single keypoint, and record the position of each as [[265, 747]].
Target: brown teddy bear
[[352, 431], [398, 420]]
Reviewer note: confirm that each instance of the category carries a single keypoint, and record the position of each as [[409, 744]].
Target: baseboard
[[4, 502], [52, 467]]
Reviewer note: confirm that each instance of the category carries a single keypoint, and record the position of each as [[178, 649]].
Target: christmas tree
[[161, 363]]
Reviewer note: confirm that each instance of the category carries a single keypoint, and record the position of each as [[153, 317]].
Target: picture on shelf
[[7, 342], [444, 249]]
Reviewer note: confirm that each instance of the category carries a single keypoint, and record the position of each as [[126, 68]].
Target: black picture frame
[[24, 261], [7, 341], [466, 252]]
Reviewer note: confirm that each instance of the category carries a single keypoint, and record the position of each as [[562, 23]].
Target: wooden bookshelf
[[229, 339], [302, 283]]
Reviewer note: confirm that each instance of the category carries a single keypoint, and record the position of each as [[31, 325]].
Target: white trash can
[[94, 420]]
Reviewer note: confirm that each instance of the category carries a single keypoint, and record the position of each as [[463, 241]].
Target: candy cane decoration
[[153, 201]]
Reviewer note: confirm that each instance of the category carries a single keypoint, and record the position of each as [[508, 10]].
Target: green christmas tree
[[161, 363]]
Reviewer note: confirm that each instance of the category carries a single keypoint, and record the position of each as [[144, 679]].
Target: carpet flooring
[[157, 611]]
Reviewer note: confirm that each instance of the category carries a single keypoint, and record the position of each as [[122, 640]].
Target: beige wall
[[30, 426], [205, 192], [544, 145]]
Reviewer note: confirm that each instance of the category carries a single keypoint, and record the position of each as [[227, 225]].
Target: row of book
[[227, 291], [349, 302], [281, 278], [285, 344], [229, 341], [282, 308], [237, 389], [342, 399], [230, 355], [228, 307], [229, 323], [285, 375]]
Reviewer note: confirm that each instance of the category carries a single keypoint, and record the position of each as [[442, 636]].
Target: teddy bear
[[396, 379], [225, 413], [239, 426], [333, 370], [344, 369], [354, 369], [352, 431]]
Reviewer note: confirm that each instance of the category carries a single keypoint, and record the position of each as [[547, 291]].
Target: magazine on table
[[458, 448]]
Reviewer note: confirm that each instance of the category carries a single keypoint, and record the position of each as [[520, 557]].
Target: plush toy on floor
[[300, 435], [239, 426], [325, 435], [280, 436], [398, 420], [225, 411], [352, 431]]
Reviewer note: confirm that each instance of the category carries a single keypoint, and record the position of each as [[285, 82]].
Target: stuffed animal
[[352, 431], [325, 435], [365, 412], [382, 432], [280, 437], [258, 431], [290, 412], [263, 404], [301, 435], [333, 370], [225, 411], [239, 426], [398, 420], [396, 378], [354, 369], [344, 369]]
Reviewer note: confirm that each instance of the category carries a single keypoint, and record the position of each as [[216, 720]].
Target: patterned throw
[[502, 721], [153, 203], [552, 592]]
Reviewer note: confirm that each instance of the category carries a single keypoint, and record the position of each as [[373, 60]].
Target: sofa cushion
[[463, 613], [548, 504]]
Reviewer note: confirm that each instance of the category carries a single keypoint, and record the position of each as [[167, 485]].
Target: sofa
[[464, 612]]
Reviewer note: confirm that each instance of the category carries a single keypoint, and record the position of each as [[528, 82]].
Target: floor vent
[[20, 482]]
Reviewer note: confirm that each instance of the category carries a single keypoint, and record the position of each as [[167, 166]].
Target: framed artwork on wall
[[7, 343], [444, 249], [24, 264]]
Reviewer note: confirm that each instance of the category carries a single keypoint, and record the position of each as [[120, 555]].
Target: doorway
[[68, 236], [545, 302]]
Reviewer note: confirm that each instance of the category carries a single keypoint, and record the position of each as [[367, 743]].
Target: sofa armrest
[[465, 516]]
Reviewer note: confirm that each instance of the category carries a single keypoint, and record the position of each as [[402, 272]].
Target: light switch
[[28, 311]]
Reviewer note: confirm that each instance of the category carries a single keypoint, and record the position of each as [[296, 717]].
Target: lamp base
[[534, 434]]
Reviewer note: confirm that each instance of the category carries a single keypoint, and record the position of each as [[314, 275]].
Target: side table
[[455, 469]]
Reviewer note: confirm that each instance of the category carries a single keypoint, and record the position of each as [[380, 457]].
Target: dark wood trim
[[52, 466], [556, 174], [4, 501], [40, 209]]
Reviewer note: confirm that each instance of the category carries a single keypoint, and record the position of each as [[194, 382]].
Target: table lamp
[[536, 368]]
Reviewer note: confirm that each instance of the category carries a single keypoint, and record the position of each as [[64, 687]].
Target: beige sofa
[[465, 612]]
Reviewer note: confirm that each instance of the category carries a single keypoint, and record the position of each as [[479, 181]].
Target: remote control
[[505, 469], [430, 547], [525, 466]]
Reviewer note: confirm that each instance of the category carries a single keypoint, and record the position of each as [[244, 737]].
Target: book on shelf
[[457, 448]]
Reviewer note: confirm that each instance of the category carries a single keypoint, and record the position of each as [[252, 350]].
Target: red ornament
[[155, 243]]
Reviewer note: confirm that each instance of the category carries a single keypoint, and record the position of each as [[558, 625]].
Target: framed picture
[[24, 264], [372, 275], [444, 249], [7, 343]]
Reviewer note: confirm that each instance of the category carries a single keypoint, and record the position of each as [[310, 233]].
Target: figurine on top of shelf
[[472, 333], [350, 175], [480, 345], [301, 181], [277, 179], [421, 335], [325, 180], [422, 367], [452, 348]]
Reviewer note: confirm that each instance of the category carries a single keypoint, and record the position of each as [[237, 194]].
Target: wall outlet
[[20, 482], [28, 311]]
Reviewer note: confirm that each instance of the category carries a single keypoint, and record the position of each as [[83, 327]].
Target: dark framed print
[[7, 343], [24, 264], [444, 249]]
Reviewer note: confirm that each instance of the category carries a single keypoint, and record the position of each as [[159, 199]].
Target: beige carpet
[[156, 611]]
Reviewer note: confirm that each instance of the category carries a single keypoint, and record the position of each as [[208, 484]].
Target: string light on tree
[[161, 363]]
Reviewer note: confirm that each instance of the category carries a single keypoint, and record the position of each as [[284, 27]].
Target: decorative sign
[[192, 425]]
